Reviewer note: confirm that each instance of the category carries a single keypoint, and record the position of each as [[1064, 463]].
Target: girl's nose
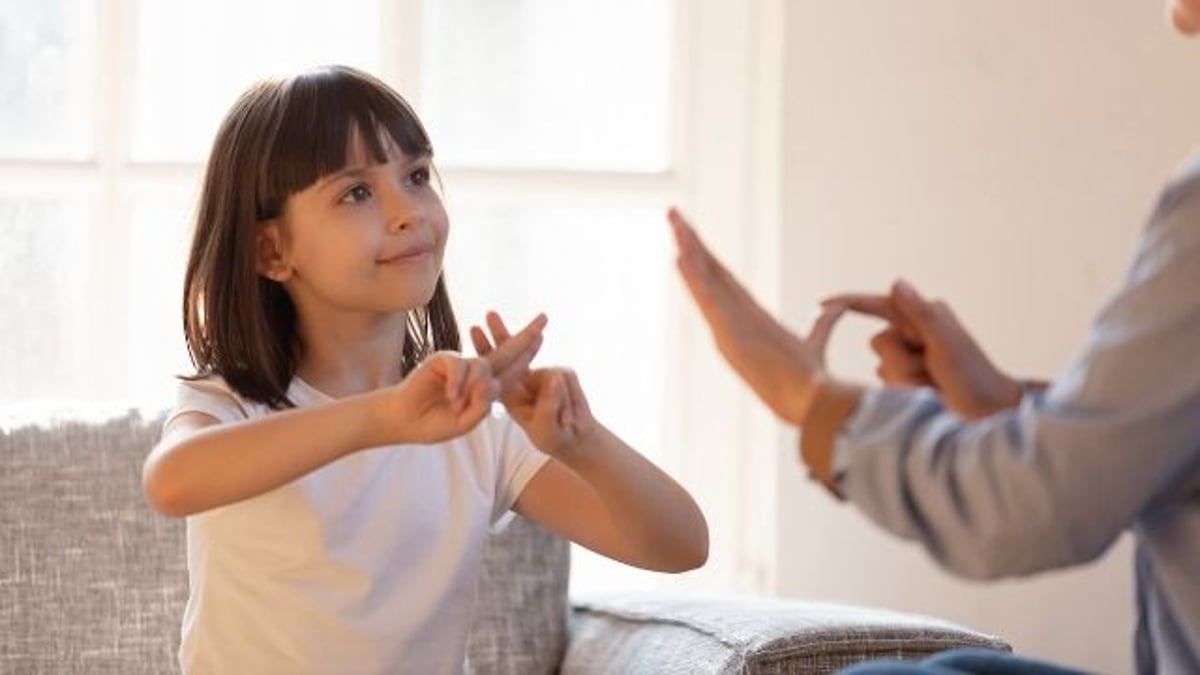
[[400, 210]]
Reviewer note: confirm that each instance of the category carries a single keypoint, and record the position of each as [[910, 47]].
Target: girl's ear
[[270, 260]]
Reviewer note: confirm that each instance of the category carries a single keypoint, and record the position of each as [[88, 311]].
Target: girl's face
[[369, 238]]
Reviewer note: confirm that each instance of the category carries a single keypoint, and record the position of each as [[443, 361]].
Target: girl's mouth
[[408, 255]]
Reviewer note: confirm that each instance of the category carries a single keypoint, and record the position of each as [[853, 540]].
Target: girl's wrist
[[584, 448], [382, 412]]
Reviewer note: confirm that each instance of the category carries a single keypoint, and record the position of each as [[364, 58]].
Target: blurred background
[[1000, 155]]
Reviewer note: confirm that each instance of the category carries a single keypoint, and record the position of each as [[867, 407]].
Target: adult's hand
[[1185, 15], [783, 369], [924, 344]]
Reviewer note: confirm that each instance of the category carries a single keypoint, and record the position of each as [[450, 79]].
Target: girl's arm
[[201, 464], [603, 495], [595, 490]]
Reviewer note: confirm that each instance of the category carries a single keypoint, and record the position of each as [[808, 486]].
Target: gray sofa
[[91, 581]]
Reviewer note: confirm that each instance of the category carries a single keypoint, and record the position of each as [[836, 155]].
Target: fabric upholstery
[[665, 632], [92, 581], [520, 623]]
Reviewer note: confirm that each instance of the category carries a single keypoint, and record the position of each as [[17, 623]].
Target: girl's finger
[[479, 402], [456, 377], [575, 396], [509, 349], [499, 330], [549, 403], [483, 347], [480, 376], [519, 367], [566, 416]]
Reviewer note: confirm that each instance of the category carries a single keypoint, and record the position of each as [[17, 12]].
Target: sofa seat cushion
[[91, 581], [672, 632]]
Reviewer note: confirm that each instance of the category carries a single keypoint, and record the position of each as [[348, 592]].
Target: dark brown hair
[[280, 137]]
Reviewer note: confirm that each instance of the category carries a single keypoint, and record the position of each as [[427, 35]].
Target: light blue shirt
[[1111, 446]]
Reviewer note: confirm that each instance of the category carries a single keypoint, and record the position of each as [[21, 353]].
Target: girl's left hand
[[548, 403]]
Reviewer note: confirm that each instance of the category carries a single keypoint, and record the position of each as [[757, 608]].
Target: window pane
[[44, 274], [550, 83], [46, 52], [159, 238], [194, 58]]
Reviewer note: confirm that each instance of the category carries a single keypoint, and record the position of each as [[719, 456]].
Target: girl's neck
[[351, 355]]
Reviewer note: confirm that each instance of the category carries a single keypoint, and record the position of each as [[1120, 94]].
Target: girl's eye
[[419, 176], [356, 194]]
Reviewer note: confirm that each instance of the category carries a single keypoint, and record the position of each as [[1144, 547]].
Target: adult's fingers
[[1185, 16], [914, 310], [899, 363], [878, 306], [708, 280], [822, 328]]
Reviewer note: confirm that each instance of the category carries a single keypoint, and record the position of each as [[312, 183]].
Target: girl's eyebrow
[[354, 172], [357, 172]]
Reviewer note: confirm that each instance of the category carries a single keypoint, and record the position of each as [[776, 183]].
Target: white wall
[[1001, 155]]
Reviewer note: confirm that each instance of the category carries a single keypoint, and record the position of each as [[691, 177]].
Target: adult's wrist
[[831, 404]]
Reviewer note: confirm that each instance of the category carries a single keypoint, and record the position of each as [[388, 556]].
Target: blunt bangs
[[323, 114]]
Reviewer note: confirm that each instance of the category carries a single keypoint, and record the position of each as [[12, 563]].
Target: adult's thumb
[[915, 312]]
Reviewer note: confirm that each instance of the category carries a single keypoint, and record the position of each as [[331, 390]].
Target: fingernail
[[906, 290]]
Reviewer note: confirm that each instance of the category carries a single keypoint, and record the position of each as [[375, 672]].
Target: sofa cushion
[[93, 581], [521, 610], [671, 632], [90, 580]]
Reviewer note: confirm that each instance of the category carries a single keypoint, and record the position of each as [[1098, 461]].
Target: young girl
[[334, 455]]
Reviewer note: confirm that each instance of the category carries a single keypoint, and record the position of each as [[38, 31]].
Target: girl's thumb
[[549, 398]]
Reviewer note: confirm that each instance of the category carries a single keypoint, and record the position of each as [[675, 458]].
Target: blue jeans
[[962, 662]]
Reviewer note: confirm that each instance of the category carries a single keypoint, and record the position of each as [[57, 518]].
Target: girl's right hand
[[448, 394], [442, 398]]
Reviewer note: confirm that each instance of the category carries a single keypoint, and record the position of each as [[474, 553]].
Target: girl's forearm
[[222, 464], [653, 511]]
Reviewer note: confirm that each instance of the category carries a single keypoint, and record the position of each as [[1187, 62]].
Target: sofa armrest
[[672, 632]]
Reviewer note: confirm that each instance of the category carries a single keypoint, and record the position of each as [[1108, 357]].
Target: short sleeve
[[210, 396], [517, 460]]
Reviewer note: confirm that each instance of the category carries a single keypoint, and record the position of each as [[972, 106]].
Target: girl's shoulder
[[212, 395]]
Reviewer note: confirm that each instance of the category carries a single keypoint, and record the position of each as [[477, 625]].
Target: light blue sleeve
[[1055, 481]]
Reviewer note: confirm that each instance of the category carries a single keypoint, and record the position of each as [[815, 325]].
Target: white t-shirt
[[366, 565]]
